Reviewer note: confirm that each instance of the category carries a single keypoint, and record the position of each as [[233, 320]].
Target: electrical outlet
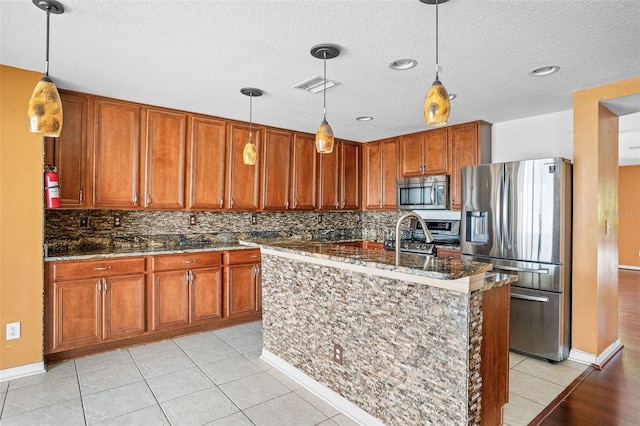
[[13, 330], [193, 220], [338, 354], [254, 219], [319, 218], [84, 221], [117, 221]]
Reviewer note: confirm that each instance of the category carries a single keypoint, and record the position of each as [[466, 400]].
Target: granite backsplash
[[158, 228]]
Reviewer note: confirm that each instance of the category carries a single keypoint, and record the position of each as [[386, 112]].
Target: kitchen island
[[421, 342]]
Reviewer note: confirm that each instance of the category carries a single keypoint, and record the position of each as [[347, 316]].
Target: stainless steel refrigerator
[[517, 216]]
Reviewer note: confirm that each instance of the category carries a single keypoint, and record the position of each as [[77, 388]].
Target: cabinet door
[[241, 289], [165, 147], [116, 154], [372, 175], [350, 173], [77, 314], [303, 173], [436, 158], [465, 146], [412, 155], [276, 165], [243, 181], [328, 179], [68, 152], [389, 172], [206, 165], [124, 310], [206, 294], [170, 299]]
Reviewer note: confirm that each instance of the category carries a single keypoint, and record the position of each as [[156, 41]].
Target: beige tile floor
[[214, 378]]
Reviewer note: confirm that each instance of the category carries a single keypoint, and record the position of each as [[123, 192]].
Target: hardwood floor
[[610, 396]]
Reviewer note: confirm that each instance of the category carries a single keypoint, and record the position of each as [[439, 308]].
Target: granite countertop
[[103, 253], [413, 264]]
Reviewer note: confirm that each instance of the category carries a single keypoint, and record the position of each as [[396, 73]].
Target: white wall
[[551, 135], [542, 136]]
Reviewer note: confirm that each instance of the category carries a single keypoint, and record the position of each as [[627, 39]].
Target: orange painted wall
[[595, 251], [629, 216], [21, 221]]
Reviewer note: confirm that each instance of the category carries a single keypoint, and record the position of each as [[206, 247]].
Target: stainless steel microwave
[[421, 193]]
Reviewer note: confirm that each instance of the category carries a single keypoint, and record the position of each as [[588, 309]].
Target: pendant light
[[324, 135], [436, 104], [45, 107], [249, 153]]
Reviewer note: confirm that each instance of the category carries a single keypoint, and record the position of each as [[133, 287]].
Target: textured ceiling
[[197, 55]]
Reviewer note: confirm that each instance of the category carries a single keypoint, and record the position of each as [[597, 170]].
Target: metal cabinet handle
[[102, 268], [221, 202], [286, 204], [135, 198], [148, 200], [295, 203], [531, 298], [81, 196], [516, 269], [231, 202], [100, 286], [105, 286], [187, 277], [190, 261]]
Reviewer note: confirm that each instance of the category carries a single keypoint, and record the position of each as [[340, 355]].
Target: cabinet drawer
[[97, 268], [242, 256], [186, 261]]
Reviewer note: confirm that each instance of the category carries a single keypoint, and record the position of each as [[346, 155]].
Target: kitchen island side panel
[[411, 352]]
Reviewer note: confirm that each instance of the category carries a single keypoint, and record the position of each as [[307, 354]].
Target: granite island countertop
[[452, 274]]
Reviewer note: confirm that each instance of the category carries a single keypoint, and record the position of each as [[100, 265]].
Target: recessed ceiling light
[[452, 96], [403, 64], [546, 70], [364, 118]]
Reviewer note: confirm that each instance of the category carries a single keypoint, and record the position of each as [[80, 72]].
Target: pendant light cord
[[250, 115], [324, 92], [437, 40], [46, 70]]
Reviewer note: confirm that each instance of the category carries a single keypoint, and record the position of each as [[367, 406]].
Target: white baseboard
[[22, 371], [591, 359], [635, 268], [332, 398]]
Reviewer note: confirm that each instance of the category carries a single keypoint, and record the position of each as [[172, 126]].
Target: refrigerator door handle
[[531, 298], [506, 204], [498, 209], [516, 269]]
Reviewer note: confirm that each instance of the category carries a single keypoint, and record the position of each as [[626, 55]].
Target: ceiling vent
[[315, 84]]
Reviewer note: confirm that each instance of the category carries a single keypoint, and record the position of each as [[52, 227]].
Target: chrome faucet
[[427, 234]]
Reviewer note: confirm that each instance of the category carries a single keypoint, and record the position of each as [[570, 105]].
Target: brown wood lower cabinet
[[243, 286], [102, 304], [89, 302], [186, 289]]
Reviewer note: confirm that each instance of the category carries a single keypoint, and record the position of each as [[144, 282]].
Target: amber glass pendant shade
[[249, 153], [324, 138], [45, 109], [437, 105]]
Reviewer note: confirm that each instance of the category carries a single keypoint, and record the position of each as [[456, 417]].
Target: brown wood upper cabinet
[[339, 177], [380, 159], [243, 181], [276, 169], [165, 147], [69, 151], [207, 156], [303, 172], [424, 153], [115, 152], [469, 144], [288, 171]]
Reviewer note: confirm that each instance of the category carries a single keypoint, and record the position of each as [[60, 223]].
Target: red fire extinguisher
[[51, 188]]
